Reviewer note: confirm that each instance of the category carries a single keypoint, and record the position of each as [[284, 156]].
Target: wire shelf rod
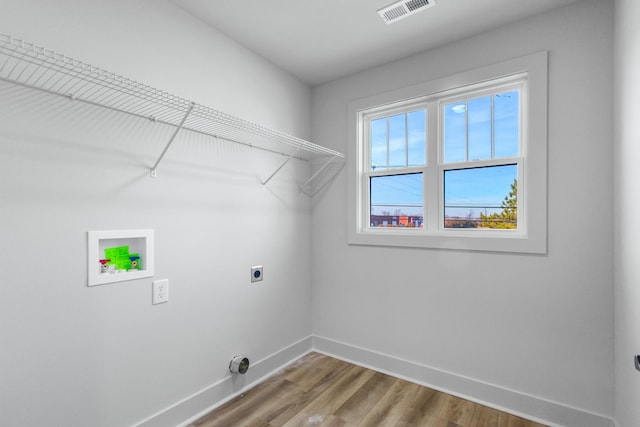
[[85, 101], [105, 82], [150, 95], [34, 67]]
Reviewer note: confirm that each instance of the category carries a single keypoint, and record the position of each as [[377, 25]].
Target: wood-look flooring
[[318, 390]]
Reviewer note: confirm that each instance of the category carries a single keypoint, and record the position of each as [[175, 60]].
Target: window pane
[[417, 121], [398, 141], [378, 144], [396, 200], [479, 117], [481, 197], [507, 124], [455, 132]]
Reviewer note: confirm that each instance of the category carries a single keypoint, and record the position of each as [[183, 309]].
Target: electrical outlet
[[160, 291], [256, 273]]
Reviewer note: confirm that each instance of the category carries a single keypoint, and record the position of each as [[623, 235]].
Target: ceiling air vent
[[403, 8]]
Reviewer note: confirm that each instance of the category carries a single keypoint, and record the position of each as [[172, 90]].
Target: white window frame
[[531, 234]]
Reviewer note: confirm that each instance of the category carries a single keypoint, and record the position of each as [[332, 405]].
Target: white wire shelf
[[37, 68]]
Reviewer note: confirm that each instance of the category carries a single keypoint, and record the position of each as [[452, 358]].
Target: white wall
[[541, 326], [158, 44], [627, 204], [74, 355]]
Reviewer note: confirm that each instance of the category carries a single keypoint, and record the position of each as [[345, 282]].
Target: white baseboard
[[535, 408], [193, 407], [514, 402]]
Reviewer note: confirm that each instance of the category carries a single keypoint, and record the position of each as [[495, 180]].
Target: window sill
[[456, 240]]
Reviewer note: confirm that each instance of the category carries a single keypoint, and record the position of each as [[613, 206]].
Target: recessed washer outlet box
[[403, 8], [256, 274]]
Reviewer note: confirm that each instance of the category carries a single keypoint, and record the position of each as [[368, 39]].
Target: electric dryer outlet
[[256, 274]]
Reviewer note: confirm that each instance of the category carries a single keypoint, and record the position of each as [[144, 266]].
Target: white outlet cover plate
[[160, 291]]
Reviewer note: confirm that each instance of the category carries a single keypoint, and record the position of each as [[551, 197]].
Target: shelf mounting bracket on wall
[[175, 133], [313, 177], [292, 155]]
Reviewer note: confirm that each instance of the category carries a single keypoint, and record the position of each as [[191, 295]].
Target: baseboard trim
[[527, 406], [200, 403]]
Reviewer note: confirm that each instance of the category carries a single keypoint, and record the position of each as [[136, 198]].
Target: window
[[461, 167], [481, 145], [396, 151]]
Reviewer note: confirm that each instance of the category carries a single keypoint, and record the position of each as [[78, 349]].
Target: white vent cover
[[403, 8]]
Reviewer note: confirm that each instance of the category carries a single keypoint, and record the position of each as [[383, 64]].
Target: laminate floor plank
[[249, 405], [333, 421], [456, 411], [424, 409], [312, 377], [365, 398], [484, 416], [508, 420], [285, 404], [256, 423], [441, 422], [321, 391], [388, 411], [313, 370], [333, 397]]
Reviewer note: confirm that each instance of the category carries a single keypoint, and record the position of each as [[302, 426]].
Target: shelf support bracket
[[175, 133], [281, 166], [317, 173]]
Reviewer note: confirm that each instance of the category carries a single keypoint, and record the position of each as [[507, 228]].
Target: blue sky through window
[[397, 194], [469, 192], [470, 127]]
